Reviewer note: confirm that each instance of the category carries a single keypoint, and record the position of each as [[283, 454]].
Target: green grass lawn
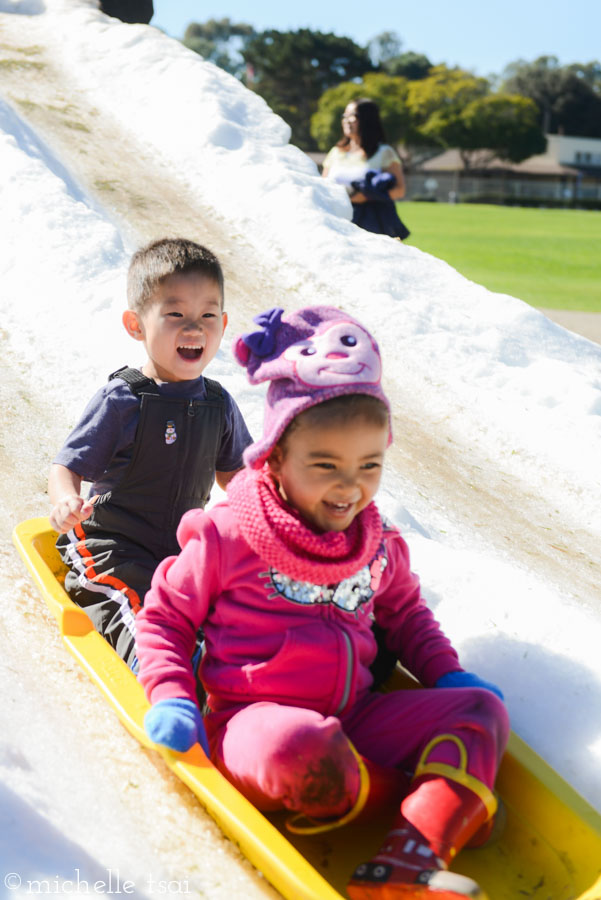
[[547, 257]]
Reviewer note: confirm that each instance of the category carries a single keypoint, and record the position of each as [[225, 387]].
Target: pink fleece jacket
[[271, 638]]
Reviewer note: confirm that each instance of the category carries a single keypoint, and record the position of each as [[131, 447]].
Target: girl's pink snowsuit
[[287, 674]]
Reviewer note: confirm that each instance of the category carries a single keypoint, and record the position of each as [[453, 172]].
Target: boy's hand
[[176, 724], [69, 511]]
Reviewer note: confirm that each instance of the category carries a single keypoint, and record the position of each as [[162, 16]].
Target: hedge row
[[503, 200]]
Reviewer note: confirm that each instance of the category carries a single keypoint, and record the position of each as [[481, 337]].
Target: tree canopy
[[414, 113], [454, 108], [292, 69], [568, 97], [383, 47], [385, 53], [410, 65], [436, 101], [448, 108], [215, 40], [390, 93], [505, 124], [308, 77]]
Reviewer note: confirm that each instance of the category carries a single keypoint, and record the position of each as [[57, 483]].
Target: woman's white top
[[345, 166]]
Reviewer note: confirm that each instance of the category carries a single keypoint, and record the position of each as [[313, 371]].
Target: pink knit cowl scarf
[[278, 534]]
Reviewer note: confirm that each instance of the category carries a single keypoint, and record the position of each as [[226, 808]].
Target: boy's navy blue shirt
[[100, 446]]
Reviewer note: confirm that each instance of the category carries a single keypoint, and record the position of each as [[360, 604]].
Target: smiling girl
[[286, 579]]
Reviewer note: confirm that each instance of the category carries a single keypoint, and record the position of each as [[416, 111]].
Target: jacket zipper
[[349, 673]]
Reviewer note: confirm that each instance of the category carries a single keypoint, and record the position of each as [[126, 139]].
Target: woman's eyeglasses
[[352, 118]]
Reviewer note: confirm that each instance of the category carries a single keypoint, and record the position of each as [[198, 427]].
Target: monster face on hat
[[308, 357]]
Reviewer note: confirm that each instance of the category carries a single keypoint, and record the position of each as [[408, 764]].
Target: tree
[[588, 72], [292, 69], [436, 101], [412, 66], [419, 115], [539, 80], [384, 46], [389, 93], [504, 124], [454, 108], [385, 53], [568, 97], [450, 108], [435, 104], [578, 109], [216, 41]]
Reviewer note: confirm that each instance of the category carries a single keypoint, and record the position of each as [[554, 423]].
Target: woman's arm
[[395, 193], [358, 197], [398, 191]]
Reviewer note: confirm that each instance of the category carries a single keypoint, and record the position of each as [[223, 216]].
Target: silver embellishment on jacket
[[348, 594]]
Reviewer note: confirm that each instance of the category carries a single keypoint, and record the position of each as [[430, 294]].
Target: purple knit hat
[[308, 356]]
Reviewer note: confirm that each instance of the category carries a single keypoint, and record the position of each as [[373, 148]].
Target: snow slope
[[497, 390]]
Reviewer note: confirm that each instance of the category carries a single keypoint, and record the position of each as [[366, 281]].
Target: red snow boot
[[445, 808]]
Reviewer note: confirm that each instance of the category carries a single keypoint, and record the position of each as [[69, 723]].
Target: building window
[[584, 158]]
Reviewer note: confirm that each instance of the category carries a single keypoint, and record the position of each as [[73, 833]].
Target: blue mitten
[[176, 724], [467, 679]]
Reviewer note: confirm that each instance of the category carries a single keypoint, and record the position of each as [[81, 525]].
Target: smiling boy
[[151, 441]]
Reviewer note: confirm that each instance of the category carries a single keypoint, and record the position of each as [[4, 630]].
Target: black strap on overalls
[[172, 468]]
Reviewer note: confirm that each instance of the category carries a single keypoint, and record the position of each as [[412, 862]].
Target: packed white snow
[[514, 382]]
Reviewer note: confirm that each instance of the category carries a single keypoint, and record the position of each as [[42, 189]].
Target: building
[[584, 154], [567, 174]]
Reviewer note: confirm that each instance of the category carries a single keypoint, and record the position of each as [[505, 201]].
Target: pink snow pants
[[284, 756]]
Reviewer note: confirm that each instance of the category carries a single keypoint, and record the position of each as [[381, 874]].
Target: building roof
[[451, 161]]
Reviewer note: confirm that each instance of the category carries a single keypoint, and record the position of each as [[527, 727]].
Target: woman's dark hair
[[370, 128]]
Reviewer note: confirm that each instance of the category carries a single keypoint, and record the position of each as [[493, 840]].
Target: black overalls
[[112, 555]]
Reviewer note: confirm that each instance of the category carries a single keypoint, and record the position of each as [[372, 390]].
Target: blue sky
[[474, 34]]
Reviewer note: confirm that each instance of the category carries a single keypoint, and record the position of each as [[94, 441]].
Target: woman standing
[[369, 168]]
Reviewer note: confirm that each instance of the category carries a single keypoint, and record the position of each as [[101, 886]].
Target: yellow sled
[[550, 848]]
